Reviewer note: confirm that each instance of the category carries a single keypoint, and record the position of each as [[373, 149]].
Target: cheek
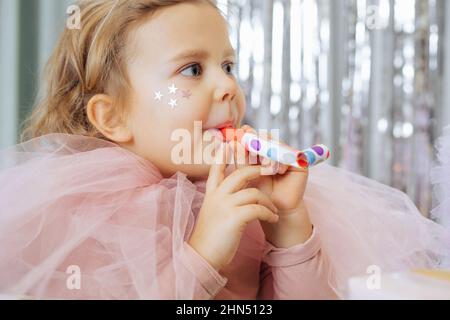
[[156, 117], [195, 107], [241, 105], [154, 126]]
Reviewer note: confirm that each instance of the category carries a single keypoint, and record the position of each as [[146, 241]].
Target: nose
[[226, 88]]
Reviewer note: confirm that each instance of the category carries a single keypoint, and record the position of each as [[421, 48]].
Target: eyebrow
[[199, 54]]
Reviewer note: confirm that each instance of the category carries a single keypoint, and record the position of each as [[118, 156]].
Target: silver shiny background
[[367, 78]]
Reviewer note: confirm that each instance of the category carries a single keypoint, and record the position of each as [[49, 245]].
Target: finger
[[240, 178], [300, 170], [247, 128], [269, 167], [241, 155], [253, 212], [217, 170], [253, 196], [282, 169]]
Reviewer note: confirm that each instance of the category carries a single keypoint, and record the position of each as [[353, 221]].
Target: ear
[[101, 114]]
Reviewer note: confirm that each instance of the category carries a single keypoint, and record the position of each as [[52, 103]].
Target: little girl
[[94, 205]]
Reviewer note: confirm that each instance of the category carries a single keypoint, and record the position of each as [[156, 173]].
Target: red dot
[[302, 160]]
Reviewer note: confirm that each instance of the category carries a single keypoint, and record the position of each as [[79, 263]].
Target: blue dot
[[311, 157], [272, 153]]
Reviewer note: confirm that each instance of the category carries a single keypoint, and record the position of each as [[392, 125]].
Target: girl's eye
[[193, 70], [229, 67]]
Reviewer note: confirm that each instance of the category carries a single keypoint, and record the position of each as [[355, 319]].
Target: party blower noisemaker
[[276, 151]]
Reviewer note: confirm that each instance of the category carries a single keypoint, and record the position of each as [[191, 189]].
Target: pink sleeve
[[186, 276], [299, 272], [208, 281]]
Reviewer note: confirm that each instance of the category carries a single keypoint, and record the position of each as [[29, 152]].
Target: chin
[[196, 172]]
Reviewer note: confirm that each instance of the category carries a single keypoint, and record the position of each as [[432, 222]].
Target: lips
[[217, 130], [227, 124]]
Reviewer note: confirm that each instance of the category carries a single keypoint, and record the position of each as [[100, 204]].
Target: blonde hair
[[89, 61]]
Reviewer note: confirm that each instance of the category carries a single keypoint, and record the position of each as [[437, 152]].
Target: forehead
[[181, 27]]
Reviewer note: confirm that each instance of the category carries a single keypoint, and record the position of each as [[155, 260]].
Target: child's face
[[203, 86]]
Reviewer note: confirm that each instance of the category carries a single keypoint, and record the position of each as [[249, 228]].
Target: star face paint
[[276, 151], [173, 89], [173, 103], [186, 94], [158, 96], [174, 96]]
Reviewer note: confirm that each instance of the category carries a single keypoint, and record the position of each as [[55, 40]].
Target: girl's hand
[[285, 186], [227, 209]]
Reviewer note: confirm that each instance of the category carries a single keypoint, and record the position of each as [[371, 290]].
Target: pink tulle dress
[[70, 201]]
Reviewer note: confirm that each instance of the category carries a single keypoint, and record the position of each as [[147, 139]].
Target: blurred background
[[368, 78]]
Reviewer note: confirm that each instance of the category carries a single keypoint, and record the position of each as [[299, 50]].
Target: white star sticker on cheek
[[173, 89], [173, 103], [158, 96]]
